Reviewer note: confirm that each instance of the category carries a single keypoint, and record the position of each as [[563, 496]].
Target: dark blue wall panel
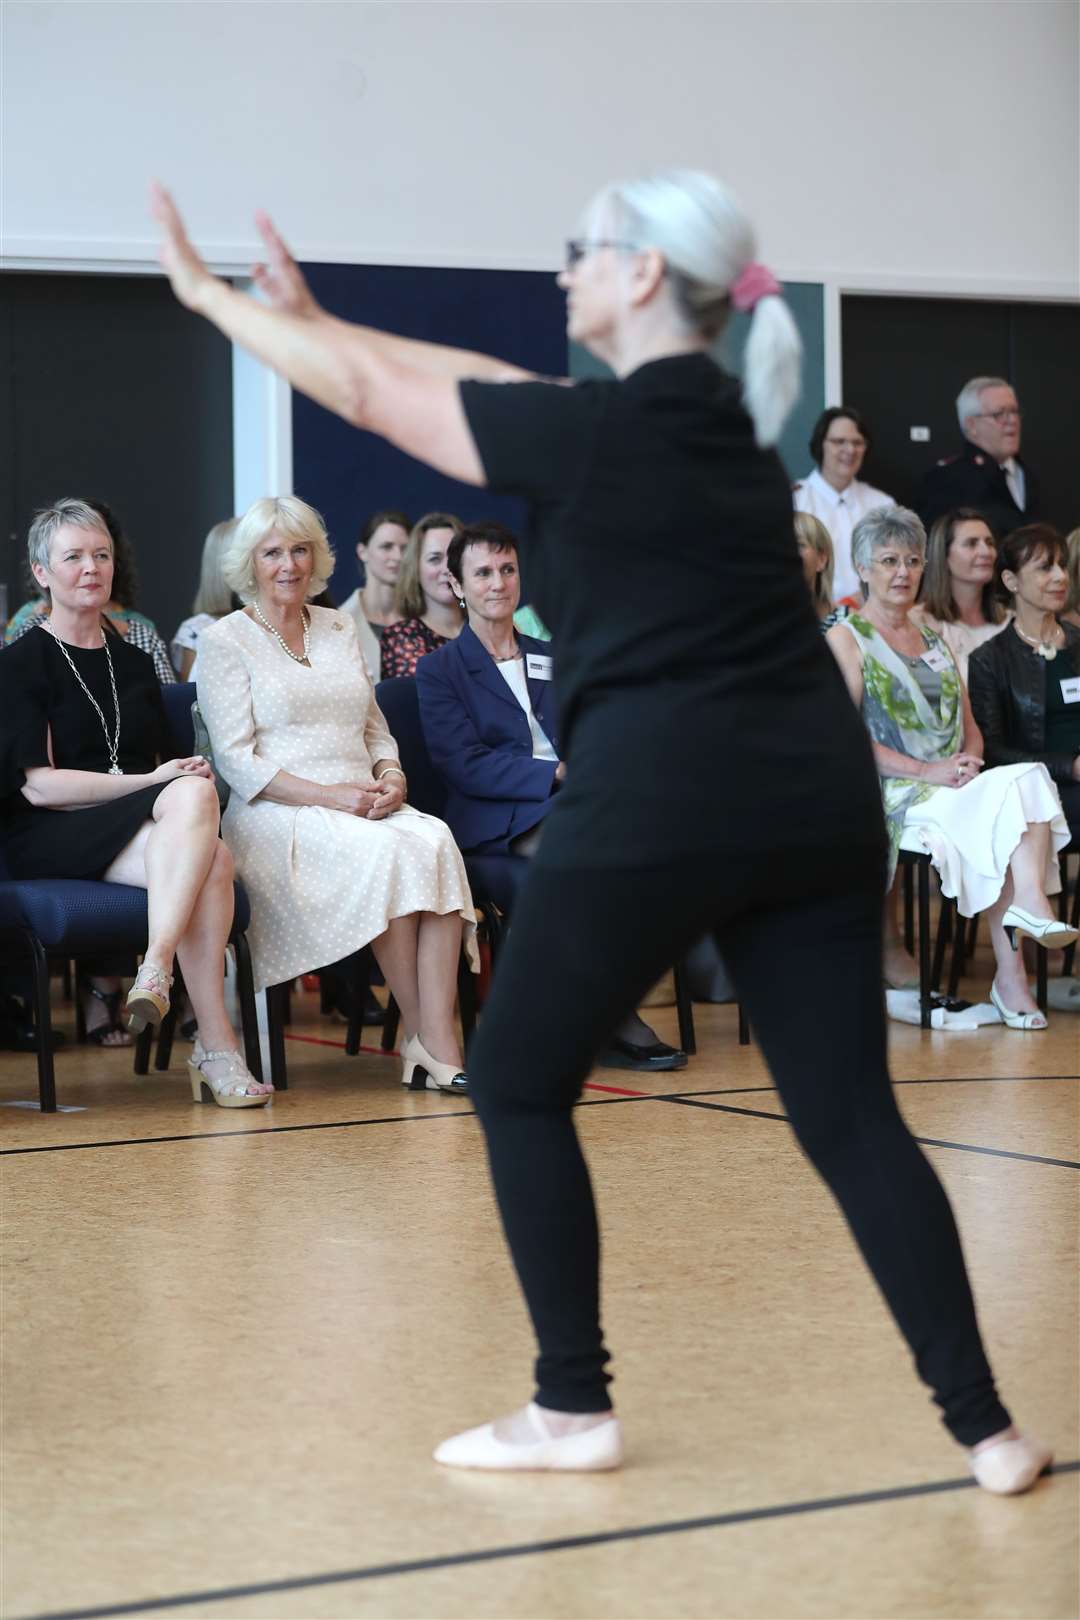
[[518, 315]]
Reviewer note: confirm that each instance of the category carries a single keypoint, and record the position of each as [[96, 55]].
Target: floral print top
[[402, 646]]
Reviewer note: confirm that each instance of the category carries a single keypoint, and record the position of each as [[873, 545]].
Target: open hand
[[191, 280], [280, 279]]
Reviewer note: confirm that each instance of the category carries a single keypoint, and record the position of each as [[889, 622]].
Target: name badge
[[1070, 689], [537, 667], [936, 660]]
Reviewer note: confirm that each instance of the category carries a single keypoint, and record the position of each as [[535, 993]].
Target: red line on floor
[[620, 1091], [320, 1040]]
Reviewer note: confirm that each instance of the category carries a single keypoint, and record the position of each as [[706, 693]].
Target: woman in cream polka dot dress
[[330, 853]]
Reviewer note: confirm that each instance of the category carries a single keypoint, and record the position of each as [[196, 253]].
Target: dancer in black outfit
[[662, 554]]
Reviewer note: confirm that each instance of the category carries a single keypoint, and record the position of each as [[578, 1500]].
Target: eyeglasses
[[579, 247], [890, 562], [847, 444], [1009, 413]]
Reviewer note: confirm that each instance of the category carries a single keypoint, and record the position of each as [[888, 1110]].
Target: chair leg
[[925, 1006], [245, 995], [66, 979], [43, 1022], [144, 1045], [276, 1001], [466, 1000], [744, 1025], [961, 949], [950, 926], [685, 1008], [909, 910], [391, 1025], [361, 982], [1069, 954], [167, 1029], [1040, 979]]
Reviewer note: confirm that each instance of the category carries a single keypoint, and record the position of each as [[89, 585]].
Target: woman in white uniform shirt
[[833, 493]]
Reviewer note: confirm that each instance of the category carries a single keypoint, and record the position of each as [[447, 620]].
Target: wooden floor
[[231, 1341]]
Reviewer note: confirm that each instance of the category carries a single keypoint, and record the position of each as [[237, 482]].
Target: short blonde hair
[[288, 516], [814, 532]]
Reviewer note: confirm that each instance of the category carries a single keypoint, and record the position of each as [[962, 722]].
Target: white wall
[[877, 142]]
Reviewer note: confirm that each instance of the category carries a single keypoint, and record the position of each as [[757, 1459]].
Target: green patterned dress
[[899, 716]]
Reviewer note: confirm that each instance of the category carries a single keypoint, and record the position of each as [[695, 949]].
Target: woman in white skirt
[[331, 855], [992, 835]]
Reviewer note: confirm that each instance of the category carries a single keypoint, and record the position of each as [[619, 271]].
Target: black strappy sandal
[[110, 1000]]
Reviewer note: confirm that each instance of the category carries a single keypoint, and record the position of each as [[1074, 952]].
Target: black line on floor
[[925, 1141], [525, 1549]]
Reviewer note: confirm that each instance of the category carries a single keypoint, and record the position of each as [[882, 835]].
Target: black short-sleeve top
[[39, 693], [699, 707]]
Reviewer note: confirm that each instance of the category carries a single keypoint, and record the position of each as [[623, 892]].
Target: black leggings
[[584, 947]]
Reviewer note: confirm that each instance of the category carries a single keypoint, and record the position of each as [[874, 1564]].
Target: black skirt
[[42, 843]]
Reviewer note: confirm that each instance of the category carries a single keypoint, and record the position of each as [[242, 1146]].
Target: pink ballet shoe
[[1010, 1466], [588, 1451]]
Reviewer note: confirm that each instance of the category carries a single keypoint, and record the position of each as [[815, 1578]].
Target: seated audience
[[487, 708], [987, 473], [1072, 547], [212, 601], [993, 835], [959, 601], [90, 792], [430, 616], [816, 555], [373, 605], [135, 628], [331, 855], [833, 493], [1025, 684]]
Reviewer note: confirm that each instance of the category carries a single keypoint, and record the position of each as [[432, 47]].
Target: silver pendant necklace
[[113, 742], [297, 658], [1045, 649]]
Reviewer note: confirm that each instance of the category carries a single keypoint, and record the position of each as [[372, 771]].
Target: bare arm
[[49, 789], [401, 389]]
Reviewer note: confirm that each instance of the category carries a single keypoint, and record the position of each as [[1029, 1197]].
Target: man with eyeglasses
[[988, 473]]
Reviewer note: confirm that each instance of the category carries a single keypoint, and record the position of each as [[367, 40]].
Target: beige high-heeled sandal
[[148, 999], [229, 1090]]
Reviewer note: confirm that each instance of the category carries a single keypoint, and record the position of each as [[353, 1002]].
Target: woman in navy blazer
[[487, 709], [501, 764]]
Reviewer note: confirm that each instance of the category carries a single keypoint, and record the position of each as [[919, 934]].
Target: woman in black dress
[[83, 727], [661, 553]]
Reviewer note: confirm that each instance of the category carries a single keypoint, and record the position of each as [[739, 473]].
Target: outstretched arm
[[403, 390]]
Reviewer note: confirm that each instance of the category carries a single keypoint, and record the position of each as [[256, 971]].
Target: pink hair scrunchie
[[756, 281]]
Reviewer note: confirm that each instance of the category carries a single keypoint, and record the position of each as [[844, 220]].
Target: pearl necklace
[[1045, 649], [112, 743], [297, 658]]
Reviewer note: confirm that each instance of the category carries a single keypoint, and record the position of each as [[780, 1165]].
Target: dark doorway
[[112, 390], [906, 359]]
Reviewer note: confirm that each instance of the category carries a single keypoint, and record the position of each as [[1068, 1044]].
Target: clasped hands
[[954, 772], [373, 800], [193, 765]]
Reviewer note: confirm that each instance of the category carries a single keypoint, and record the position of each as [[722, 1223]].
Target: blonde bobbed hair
[[707, 241], [815, 534], [291, 519]]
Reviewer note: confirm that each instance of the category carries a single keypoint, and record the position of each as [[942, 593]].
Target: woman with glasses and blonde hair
[[430, 614], [661, 555], [993, 835], [958, 600]]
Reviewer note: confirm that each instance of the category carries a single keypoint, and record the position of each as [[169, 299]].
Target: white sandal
[[1046, 931], [1016, 1020], [229, 1090]]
